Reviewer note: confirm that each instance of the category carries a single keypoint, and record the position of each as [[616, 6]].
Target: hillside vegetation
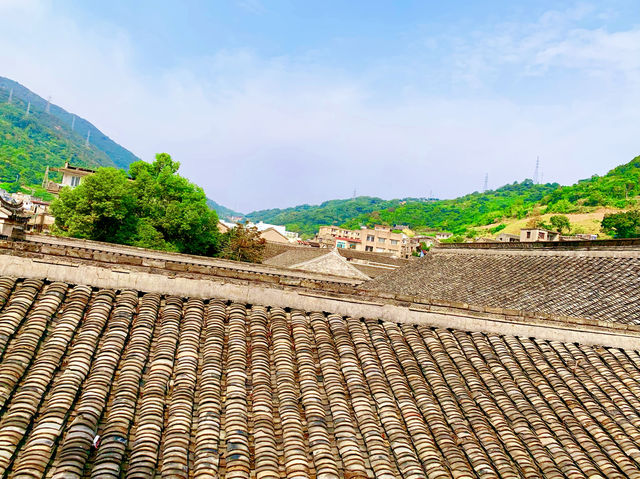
[[467, 215], [30, 143], [61, 120], [306, 219]]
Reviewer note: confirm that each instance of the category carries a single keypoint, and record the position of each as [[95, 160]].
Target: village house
[[528, 235], [71, 176], [507, 238], [379, 239]]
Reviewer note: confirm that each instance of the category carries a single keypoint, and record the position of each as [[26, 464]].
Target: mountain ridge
[[30, 143]]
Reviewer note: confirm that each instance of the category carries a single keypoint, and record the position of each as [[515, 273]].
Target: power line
[[536, 173]]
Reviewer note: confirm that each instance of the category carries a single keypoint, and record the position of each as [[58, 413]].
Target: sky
[[270, 104]]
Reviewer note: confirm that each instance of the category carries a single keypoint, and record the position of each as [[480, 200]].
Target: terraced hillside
[[193, 388], [603, 285]]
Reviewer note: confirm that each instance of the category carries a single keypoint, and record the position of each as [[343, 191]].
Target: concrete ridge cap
[[256, 268], [252, 292]]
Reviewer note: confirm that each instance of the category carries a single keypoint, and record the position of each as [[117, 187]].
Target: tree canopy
[[154, 208], [622, 225]]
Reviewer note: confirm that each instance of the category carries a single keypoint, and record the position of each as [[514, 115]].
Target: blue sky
[[276, 103]]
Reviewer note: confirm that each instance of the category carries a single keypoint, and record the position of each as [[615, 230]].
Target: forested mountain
[[223, 212], [306, 218], [619, 188], [49, 136], [515, 200], [45, 137], [63, 121]]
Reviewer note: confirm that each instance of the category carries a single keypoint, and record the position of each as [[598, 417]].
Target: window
[[394, 242], [75, 181], [370, 238], [381, 240], [380, 250], [341, 244], [528, 234], [352, 246], [368, 248]]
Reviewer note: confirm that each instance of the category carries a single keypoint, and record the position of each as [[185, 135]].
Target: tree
[[560, 223], [175, 210], [155, 208], [243, 244], [101, 208], [622, 225], [535, 222]]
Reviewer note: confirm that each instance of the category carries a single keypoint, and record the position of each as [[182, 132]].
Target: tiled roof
[[191, 388], [596, 285]]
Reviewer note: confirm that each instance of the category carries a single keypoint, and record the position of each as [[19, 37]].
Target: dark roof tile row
[[191, 388], [595, 287]]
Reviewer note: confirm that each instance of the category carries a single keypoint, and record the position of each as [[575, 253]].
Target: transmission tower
[[486, 183], [10, 96], [47, 108], [28, 109], [536, 173], [73, 122], [86, 143]]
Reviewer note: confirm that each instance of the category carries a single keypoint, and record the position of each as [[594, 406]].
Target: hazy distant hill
[[223, 212]]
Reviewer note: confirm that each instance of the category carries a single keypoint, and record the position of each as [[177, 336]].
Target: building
[[124, 362], [379, 239], [225, 226], [282, 230], [414, 244], [538, 234], [331, 263], [508, 238], [71, 176], [443, 235], [274, 235], [13, 217]]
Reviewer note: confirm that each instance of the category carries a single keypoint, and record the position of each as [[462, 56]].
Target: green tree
[[243, 244], [560, 223], [156, 208], [101, 208], [175, 210], [622, 225]]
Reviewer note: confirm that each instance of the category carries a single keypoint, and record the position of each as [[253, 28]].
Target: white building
[[290, 235]]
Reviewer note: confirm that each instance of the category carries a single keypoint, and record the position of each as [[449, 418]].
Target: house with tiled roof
[[117, 361]]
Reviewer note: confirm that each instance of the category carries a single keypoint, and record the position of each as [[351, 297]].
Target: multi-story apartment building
[[379, 239]]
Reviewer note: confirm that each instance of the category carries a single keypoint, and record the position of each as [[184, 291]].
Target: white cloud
[[260, 133]]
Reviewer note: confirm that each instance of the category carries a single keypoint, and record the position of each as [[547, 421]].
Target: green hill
[[30, 143], [49, 136], [62, 121], [224, 213], [306, 219], [619, 188]]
